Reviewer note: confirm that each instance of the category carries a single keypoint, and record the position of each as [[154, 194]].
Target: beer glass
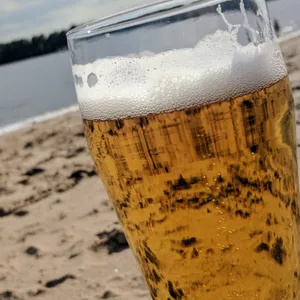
[[189, 118]]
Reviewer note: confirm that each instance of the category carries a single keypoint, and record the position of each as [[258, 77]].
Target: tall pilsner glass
[[189, 118]]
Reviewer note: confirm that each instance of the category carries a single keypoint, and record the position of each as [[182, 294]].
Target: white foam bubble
[[218, 68]]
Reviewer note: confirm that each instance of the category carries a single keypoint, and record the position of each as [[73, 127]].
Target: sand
[[59, 237]]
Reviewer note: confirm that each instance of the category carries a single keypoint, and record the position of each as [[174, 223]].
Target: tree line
[[40, 45], [37, 45]]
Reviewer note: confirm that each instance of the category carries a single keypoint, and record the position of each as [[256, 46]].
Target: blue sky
[[25, 18]]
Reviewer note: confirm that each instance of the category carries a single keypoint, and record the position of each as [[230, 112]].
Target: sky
[[26, 18]]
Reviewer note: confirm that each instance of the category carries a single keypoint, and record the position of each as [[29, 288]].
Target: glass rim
[[131, 17]]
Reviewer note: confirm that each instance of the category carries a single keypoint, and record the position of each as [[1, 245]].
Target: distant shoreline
[[62, 47], [23, 49], [289, 36], [37, 119], [32, 58]]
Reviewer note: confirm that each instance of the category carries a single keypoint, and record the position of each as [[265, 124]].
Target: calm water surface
[[33, 87]]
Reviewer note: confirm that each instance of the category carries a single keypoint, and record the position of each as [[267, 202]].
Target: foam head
[[216, 69]]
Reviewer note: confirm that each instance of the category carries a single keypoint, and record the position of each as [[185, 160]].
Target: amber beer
[[208, 195], [191, 128]]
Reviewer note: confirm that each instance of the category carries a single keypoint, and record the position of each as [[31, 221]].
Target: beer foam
[[216, 69]]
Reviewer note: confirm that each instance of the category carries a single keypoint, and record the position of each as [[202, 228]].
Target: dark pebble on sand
[[108, 295], [21, 213], [36, 293], [78, 175], [34, 171], [8, 295], [114, 240], [53, 283], [28, 145], [32, 251], [4, 213], [24, 182]]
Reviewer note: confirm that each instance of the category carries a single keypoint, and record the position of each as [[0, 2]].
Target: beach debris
[[74, 179], [55, 282], [4, 213], [74, 255], [108, 295], [32, 251], [78, 175], [15, 211], [36, 293], [24, 182], [34, 171], [296, 87], [74, 152], [8, 295], [21, 213], [93, 212], [79, 134], [28, 145], [114, 240], [36, 197]]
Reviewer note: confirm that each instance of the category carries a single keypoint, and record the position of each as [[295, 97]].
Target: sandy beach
[[59, 236]]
